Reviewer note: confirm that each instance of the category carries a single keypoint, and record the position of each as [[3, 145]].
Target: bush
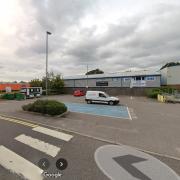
[[8, 96], [12, 96], [153, 93], [50, 107]]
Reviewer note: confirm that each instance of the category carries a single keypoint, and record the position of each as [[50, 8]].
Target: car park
[[100, 97]]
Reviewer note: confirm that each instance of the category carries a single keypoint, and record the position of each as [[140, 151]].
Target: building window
[[116, 79], [137, 78], [127, 79], [150, 78]]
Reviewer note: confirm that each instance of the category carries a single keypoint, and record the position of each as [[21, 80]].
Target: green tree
[[57, 83], [35, 83], [95, 71], [170, 64]]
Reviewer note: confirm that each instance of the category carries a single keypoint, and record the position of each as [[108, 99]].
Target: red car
[[78, 93]]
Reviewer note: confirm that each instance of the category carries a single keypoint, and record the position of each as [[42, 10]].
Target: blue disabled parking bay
[[117, 111]]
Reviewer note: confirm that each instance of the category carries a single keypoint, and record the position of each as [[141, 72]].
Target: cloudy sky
[[113, 35]]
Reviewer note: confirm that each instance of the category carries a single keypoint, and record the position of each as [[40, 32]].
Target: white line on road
[[39, 145], [17, 164], [129, 114], [53, 133], [133, 115]]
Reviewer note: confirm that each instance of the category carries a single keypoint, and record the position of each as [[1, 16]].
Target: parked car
[[79, 92], [100, 97]]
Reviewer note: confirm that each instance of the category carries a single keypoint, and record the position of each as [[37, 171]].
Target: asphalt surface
[[154, 129], [79, 153]]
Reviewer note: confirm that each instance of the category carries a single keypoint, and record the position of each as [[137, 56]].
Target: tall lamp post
[[47, 33], [87, 77]]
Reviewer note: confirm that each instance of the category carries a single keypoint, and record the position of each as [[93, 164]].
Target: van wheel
[[89, 101], [111, 103]]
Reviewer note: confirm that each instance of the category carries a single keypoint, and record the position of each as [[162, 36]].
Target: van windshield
[[106, 94]]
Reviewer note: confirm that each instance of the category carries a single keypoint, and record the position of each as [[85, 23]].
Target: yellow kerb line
[[19, 122]]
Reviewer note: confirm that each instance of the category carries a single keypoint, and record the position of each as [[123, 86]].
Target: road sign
[[126, 163]]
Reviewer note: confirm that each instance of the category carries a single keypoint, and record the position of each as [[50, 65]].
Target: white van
[[100, 97]]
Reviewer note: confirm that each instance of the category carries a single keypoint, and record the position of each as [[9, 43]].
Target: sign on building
[[8, 89], [102, 83]]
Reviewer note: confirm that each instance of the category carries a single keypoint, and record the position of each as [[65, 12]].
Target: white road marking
[[129, 114], [53, 133], [133, 115], [17, 164], [39, 145], [138, 165]]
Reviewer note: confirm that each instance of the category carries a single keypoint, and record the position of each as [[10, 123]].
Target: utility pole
[[47, 33], [87, 77]]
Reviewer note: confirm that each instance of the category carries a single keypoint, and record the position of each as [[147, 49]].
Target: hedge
[[50, 107], [155, 91], [12, 96]]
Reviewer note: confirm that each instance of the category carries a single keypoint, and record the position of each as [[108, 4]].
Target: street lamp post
[[87, 78], [47, 33]]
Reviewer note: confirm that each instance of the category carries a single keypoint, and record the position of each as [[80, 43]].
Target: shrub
[[8, 96], [153, 93], [50, 107], [12, 96]]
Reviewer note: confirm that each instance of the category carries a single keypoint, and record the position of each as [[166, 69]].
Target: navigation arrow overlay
[[127, 162]]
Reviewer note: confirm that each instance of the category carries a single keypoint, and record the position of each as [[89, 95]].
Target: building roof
[[119, 74]]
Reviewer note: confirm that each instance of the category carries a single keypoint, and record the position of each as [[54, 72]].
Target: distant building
[[13, 86], [125, 79], [170, 76]]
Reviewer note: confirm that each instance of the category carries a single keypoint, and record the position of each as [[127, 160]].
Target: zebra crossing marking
[[18, 165], [42, 146], [53, 133]]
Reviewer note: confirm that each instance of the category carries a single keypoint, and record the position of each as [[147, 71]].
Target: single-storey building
[[125, 79], [115, 83], [5, 86], [170, 76]]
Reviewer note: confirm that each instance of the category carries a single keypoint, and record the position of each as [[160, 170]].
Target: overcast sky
[[113, 35]]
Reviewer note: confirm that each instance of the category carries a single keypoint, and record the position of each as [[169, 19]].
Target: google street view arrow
[[127, 162]]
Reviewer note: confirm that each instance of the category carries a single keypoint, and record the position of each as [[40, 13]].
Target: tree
[[57, 83], [35, 83], [170, 64], [22, 82], [95, 71]]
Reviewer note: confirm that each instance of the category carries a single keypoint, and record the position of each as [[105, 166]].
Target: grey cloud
[[130, 45], [55, 16], [144, 40]]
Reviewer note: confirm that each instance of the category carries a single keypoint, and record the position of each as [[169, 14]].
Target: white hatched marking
[[39, 145], [133, 115], [17, 164], [53, 133]]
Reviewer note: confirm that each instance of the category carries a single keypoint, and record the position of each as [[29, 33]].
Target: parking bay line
[[53, 133], [37, 144], [17, 164], [18, 121]]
